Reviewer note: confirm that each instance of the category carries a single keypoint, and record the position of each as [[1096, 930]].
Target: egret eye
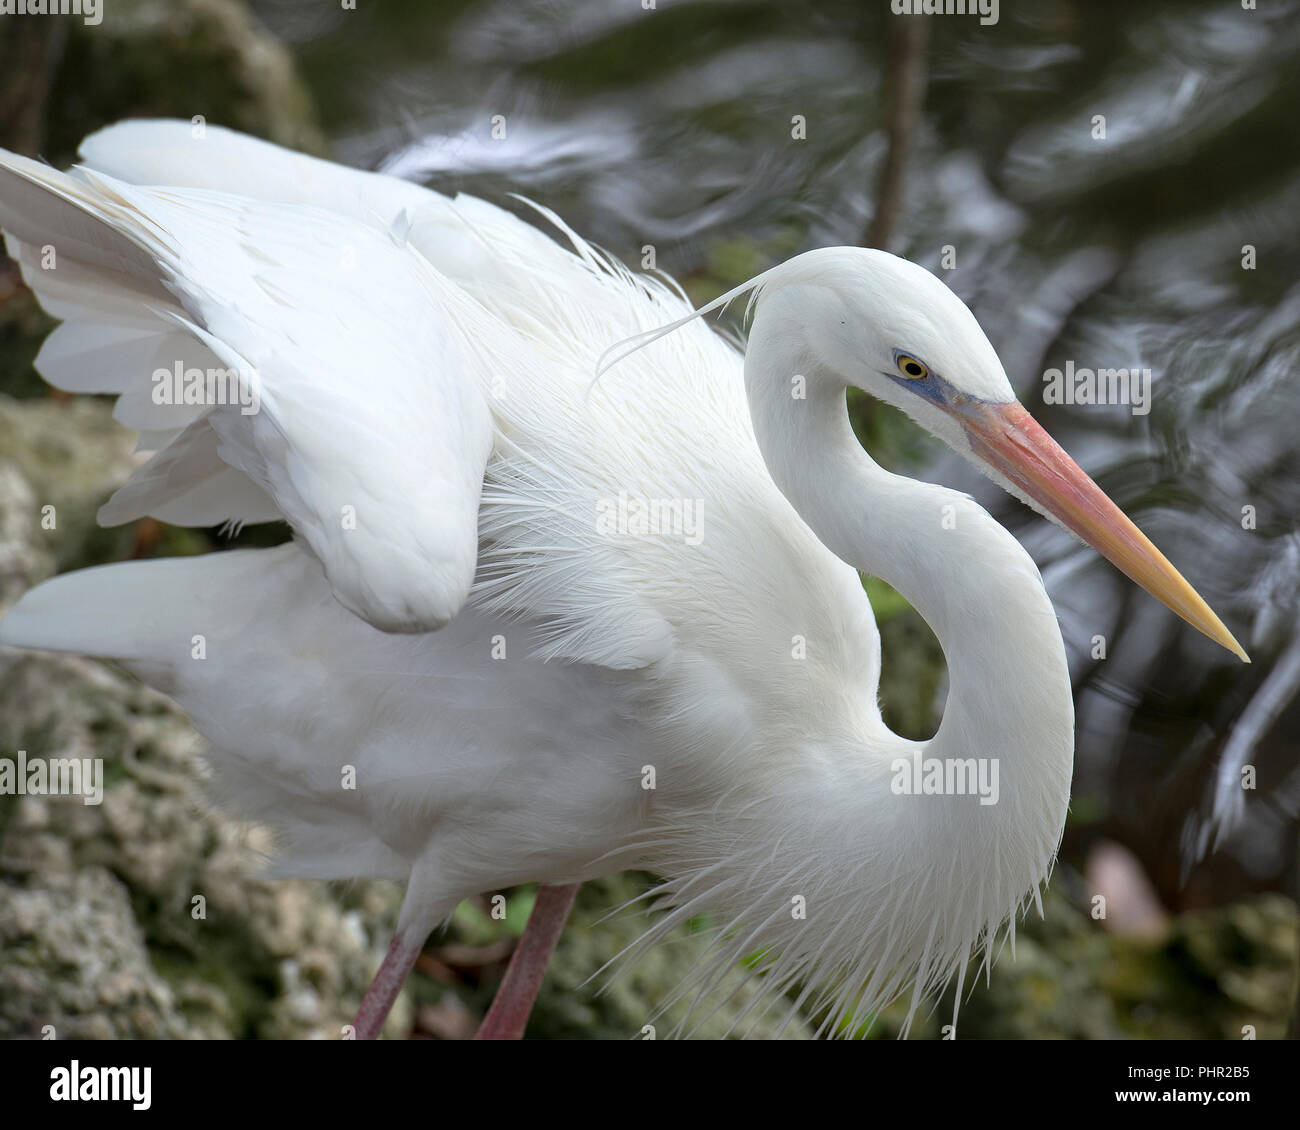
[[911, 368]]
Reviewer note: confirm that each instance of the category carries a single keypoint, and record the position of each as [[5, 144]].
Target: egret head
[[876, 322]]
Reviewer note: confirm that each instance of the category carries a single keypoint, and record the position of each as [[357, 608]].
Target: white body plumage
[[498, 666]]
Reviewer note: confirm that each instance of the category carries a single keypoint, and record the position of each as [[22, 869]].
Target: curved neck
[[973, 583], [918, 879]]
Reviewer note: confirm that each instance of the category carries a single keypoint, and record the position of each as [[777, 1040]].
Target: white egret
[[510, 606]]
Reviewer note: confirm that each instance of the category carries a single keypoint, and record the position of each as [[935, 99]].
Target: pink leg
[[388, 982], [508, 1016]]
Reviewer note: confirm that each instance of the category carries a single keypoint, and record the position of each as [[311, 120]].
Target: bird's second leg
[[508, 1016]]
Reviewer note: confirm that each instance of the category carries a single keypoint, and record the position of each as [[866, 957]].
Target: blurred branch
[[1293, 1028], [28, 55], [904, 96]]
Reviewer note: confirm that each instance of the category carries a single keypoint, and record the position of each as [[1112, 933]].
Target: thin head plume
[[630, 345]]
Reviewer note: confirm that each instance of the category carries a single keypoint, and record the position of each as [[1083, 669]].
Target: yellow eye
[[911, 368]]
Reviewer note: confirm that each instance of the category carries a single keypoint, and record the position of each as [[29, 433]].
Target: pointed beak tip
[[1210, 626], [1229, 643]]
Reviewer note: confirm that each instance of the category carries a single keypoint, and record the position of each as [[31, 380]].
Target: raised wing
[[350, 374]]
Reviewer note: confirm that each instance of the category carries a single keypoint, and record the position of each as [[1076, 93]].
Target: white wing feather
[[623, 650], [372, 431]]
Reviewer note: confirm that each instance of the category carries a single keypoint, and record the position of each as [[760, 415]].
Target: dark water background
[[672, 127]]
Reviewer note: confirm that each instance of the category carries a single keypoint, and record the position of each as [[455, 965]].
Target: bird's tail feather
[[209, 631], [149, 615]]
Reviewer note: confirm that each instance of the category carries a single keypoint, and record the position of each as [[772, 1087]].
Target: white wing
[[475, 243], [370, 432], [623, 649]]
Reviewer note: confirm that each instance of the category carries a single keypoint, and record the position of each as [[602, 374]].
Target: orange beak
[[1014, 444]]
